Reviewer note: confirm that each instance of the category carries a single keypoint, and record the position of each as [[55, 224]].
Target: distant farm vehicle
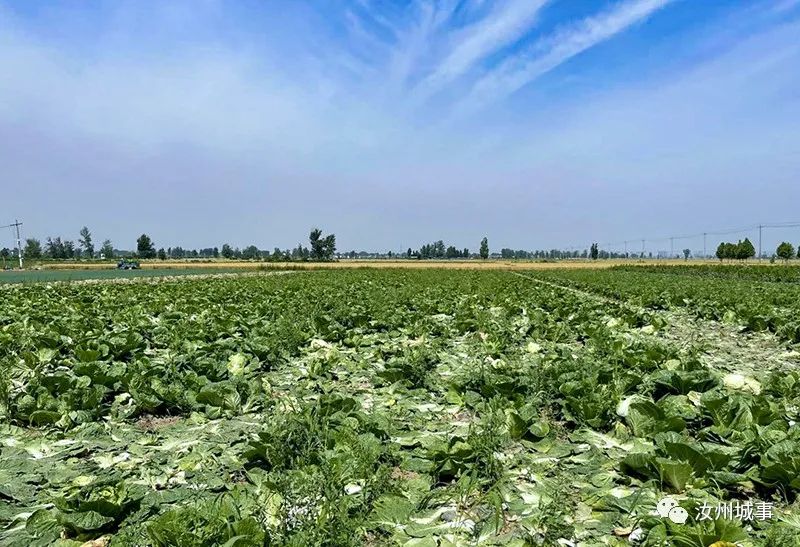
[[128, 265]]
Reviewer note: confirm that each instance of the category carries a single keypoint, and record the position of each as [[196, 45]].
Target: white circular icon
[[669, 508], [664, 506], [678, 515]]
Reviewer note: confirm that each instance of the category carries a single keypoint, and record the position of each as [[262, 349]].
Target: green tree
[[55, 248], [227, 251], [69, 249], [731, 250], [721, 250], [251, 253], [329, 246], [594, 252], [484, 249], [107, 250], [145, 247], [785, 251], [33, 248], [86, 242], [409, 253], [745, 250], [686, 253], [315, 239], [322, 248], [215, 252], [439, 250]]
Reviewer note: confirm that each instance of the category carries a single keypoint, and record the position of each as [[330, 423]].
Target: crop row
[[754, 297]]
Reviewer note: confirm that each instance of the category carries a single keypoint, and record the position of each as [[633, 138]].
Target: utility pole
[[759, 241], [705, 254], [16, 225], [643, 248]]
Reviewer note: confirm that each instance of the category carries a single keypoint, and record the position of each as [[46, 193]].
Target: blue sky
[[537, 123]]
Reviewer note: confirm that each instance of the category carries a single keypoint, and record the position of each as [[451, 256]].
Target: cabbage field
[[395, 407]]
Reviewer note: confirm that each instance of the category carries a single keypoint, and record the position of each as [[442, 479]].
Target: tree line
[[553, 254], [742, 250], [438, 250], [64, 249], [321, 248]]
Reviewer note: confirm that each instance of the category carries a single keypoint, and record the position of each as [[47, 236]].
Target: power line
[[704, 235]]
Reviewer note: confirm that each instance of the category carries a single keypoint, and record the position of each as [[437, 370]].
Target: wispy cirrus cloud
[[548, 53], [504, 24], [472, 48]]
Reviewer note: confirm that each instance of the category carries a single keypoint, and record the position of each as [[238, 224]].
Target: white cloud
[[525, 67], [228, 142], [502, 26]]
